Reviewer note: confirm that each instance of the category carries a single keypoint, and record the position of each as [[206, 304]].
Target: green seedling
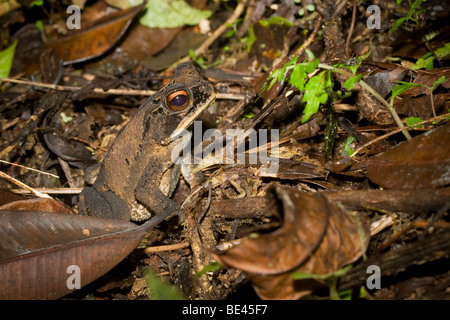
[[347, 150], [209, 268], [329, 279], [427, 61], [413, 120], [413, 14], [201, 62], [402, 86], [159, 289]]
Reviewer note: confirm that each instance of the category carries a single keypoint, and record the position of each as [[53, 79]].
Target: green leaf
[[209, 268], [424, 63], [229, 33], [6, 59], [37, 3], [350, 83], [278, 75], [39, 24], [347, 149], [315, 94], [412, 11], [298, 77], [310, 67], [248, 115], [352, 67], [397, 24], [251, 38], [335, 274], [438, 82], [443, 52], [401, 87], [413, 120], [278, 21], [171, 14], [160, 289]]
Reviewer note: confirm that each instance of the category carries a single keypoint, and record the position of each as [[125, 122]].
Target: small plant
[[402, 86], [318, 87], [329, 279], [413, 120], [159, 289], [347, 150], [233, 27], [208, 268], [427, 61], [413, 14], [201, 62]]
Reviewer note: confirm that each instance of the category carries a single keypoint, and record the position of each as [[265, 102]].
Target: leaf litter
[[309, 230]]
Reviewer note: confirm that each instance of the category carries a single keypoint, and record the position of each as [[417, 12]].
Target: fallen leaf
[[422, 162], [171, 14], [38, 204], [37, 250], [8, 196], [293, 170], [96, 40], [316, 236]]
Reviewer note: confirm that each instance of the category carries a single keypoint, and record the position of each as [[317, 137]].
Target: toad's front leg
[[149, 194]]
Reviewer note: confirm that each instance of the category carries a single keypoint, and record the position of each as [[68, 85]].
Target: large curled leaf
[[37, 249], [92, 42], [316, 237]]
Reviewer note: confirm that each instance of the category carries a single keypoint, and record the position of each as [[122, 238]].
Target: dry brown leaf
[[422, 162], [38, 204], [316, 236], [96, 40], [37, 248]]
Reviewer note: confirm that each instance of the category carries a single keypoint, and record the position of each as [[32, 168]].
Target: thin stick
[[395, 132], [23, 185], [350, 32], [49, 190], [308, 41], [126, 92], [169, 247], [28, 168]]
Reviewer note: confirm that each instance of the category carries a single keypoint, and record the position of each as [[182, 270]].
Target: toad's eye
[[178, 100]]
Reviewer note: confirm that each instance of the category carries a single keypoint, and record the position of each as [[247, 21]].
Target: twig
[[310, 39], [127, 92], [397, 131], [65, 167], [23, 185], [49, 190], [28, 168], [350, 32], [169, 247]]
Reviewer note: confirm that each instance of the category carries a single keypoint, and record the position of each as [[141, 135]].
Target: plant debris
[[333, 122]]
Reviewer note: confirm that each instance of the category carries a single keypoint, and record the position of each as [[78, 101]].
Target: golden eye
[[178, 100]]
